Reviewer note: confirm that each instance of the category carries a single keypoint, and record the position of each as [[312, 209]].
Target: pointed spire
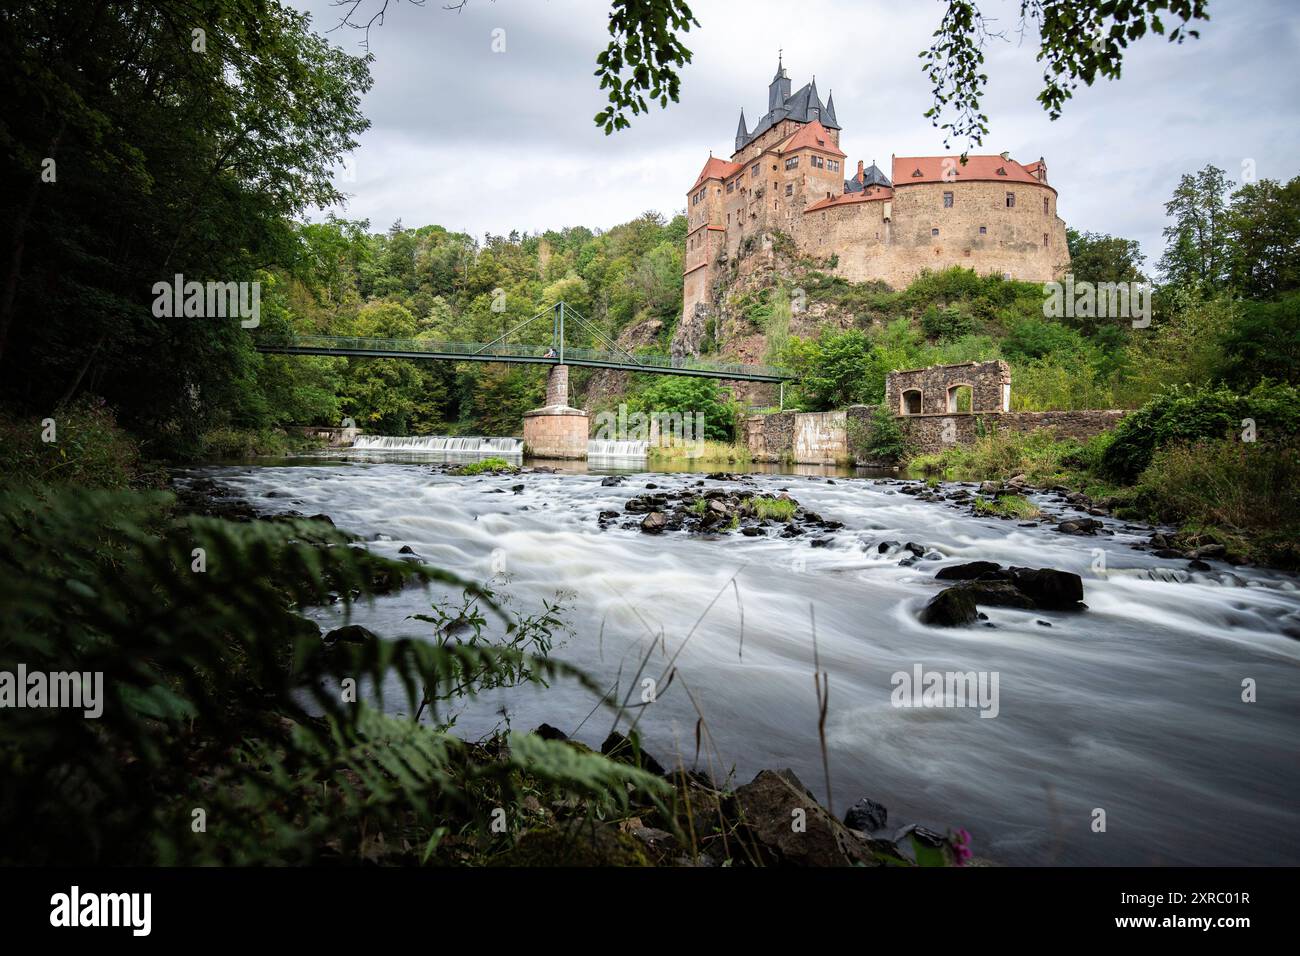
[[742, 134], [828, 118], [814, 108]]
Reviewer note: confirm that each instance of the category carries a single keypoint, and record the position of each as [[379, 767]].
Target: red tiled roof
[[976, 169], [811, 136], [715, 169], [872, 194]]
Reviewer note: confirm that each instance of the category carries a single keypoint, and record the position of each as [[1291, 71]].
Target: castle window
[[753, 170], [1011, 200], [817, 161], [792, 162], [1044, 240], [984, 230], [731, 186], [934, 232], [833, 165], [1046, 206], [789, 189], [947, 200]]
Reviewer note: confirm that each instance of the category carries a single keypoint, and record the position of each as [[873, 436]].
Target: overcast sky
[[480, 142]]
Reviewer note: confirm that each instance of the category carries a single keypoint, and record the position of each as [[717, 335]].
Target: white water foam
[[465, 444]]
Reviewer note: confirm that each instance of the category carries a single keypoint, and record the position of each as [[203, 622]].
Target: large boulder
[[967, 572], [998, 594], [792, 828], [1050, 589], [620, 748], [654, 522], [951, 608], [350, 634], [866, 815]]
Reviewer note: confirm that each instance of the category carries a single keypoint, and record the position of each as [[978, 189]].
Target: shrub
[[1190, 415], [881, 439], [215, 693], [946, 323], [1241, 493], [88, 448]]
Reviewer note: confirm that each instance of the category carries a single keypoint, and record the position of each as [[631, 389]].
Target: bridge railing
[[478, 350]]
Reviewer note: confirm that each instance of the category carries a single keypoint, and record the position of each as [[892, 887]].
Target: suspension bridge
[[553, 352]]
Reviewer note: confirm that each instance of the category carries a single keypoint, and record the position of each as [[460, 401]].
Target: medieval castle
[[991, 214]]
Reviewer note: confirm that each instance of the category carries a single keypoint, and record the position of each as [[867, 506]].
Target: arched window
[[961, 398], [911, 402]]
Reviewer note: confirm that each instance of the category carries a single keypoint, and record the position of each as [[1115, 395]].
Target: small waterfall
[[616, 449], [456, 444]]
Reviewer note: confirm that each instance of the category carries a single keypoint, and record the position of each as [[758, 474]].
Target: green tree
[[1095, 257], [1196, 243], [835, 369], [684, 395], [167, 160], [1263, 229]]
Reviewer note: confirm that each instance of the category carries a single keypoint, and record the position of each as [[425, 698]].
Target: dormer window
[[1002, 170]]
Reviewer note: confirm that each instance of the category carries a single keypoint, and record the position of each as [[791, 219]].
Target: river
[[1133, 707]]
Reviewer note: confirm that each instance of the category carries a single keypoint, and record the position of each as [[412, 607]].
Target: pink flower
[[959, 844]]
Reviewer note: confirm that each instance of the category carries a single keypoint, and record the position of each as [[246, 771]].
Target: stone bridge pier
[[556, 430]]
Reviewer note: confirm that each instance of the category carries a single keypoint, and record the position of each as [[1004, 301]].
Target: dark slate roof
[[803, 106], [871, 176]]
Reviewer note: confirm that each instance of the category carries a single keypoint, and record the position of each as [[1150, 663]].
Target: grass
[[80, 444], [1037, 455], [704, 452], [493, 464], [777, 509], [1007, 506], [228, 442], [699, 506]]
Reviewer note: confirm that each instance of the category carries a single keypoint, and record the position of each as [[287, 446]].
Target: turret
[[779, 90], [742, 134]]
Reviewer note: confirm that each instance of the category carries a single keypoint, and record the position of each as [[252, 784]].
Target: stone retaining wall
[[816, 438], [933, 433]]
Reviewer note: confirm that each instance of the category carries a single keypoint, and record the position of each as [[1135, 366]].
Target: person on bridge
[[550, 353]]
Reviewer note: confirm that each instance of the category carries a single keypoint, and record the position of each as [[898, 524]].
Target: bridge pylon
[[556, 430]]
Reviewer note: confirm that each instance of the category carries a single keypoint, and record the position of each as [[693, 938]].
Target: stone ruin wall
[[828, 437]]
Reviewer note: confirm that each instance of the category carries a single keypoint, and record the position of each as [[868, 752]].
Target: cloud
[[493, 141]]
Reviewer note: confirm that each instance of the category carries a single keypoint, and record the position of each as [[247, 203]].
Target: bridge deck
[[532, 354]]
